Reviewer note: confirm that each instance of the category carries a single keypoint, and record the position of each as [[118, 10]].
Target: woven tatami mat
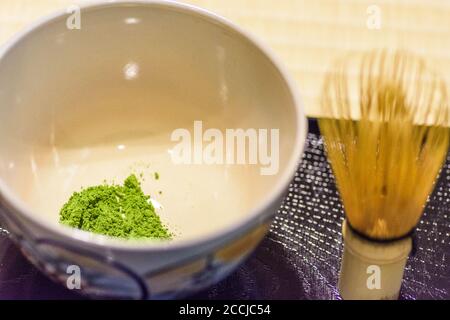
[[307, 35]]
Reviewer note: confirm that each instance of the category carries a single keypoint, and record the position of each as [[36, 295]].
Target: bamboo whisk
[[386, 139]]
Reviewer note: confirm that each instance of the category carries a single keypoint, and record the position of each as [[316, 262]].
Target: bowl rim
[[253, 216]]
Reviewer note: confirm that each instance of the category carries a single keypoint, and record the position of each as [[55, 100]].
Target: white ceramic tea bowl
[[104, 91]]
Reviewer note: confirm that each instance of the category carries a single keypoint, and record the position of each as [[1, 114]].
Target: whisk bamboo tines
[[386, 138]]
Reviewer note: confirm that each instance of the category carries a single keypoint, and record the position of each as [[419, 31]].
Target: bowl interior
[[78, 107]]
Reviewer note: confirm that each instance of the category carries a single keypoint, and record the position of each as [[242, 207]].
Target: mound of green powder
[[114, 210]]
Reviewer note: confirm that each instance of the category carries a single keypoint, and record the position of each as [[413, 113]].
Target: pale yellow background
[[305, 34]]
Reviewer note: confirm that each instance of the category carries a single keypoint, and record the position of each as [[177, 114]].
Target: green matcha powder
[[114, 210]]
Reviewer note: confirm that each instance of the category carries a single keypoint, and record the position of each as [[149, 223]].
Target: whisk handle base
[[371, 270]]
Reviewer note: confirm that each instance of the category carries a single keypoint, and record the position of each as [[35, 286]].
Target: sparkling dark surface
[[299, 258]]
